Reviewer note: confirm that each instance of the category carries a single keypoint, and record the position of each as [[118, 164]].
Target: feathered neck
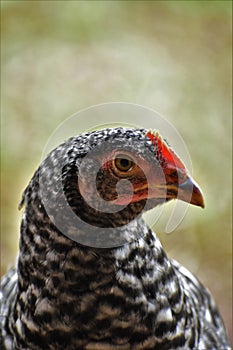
[[69, 291]]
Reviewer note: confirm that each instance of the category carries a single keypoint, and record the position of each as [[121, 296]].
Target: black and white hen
[[90, 273]]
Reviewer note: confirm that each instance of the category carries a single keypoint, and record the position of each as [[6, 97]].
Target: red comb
[[165, 153]]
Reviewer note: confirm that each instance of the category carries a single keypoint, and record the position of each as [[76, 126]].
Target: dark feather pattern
[[65, 295]]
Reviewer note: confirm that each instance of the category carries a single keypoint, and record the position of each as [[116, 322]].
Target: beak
[[176, 182], [190, 192], [178, 185]]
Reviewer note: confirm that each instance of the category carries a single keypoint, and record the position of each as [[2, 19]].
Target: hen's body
[[67, 296]]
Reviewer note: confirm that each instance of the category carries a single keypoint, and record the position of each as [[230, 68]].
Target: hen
[[90, 273]]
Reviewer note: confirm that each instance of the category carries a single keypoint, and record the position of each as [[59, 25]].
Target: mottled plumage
[[65, 295]]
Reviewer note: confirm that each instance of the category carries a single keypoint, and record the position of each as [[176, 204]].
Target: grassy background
[[174, 56]]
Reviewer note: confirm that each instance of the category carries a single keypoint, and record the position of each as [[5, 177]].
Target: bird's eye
[[123, 163]]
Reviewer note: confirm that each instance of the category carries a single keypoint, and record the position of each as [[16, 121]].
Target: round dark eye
[[123, 163]]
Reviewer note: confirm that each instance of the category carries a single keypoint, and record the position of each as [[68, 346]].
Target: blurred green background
[[58, 57]]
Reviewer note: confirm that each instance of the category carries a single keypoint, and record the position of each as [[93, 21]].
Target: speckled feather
[[63, 295]]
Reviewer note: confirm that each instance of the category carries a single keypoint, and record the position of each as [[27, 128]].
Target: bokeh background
[[58, 57]]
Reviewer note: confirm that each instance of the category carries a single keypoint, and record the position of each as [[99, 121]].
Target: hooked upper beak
[[190, 192], [178, 186]]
